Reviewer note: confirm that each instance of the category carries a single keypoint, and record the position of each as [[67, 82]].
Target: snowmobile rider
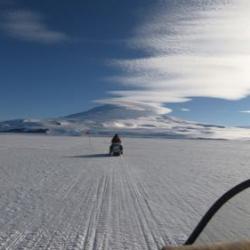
[[115, 140]]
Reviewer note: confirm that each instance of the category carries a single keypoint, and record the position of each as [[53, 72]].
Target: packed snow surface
[[66, 193]]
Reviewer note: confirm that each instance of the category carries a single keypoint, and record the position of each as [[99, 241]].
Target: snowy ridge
[[107, 119]]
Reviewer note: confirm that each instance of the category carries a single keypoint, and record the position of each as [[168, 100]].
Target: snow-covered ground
[[66, 193]]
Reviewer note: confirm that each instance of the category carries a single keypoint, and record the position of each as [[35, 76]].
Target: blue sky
[[186, 58]]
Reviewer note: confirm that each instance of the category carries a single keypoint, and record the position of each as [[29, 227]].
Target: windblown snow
[[106, 119], [66, 193]]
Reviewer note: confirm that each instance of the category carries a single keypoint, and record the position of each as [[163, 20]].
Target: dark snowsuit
[[116, 139]]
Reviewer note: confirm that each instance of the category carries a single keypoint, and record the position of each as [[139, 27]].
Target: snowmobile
[[116, 149], [225, 226]]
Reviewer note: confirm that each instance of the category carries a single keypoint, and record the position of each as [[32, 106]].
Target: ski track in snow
[[65, 193]]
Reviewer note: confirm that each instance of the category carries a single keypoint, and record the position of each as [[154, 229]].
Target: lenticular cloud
[[194, 49]]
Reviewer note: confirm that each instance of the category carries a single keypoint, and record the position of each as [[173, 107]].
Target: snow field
[[66, 193]]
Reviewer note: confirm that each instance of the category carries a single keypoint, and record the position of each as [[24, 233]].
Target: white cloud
[[185, 110], [29, 26], [197, 49], [245, 111], [136, 105]]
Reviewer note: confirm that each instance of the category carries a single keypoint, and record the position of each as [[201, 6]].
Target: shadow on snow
[[90, 156]]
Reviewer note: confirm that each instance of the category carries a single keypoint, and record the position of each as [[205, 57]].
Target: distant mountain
[[108, 112], [108, 119]]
